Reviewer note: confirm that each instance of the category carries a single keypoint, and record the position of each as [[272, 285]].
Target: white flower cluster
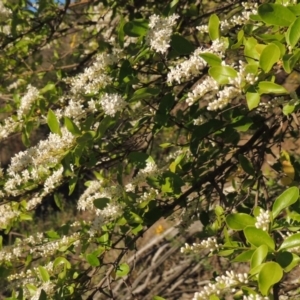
[[7, 214], [270, 105], [148, 196], [40, 159], [95, 77], [85, 201], [224, 97], [95, 190], [150, 170], [51, 247], [209, 244], [255, 297], [48, 287], [159, 35], [208, 85], [4, 11], [209, 88], [223, 284], [193, 66], [112, 103], [9, 126], [263, 220], [27, 100], [236, 20], [243, 77]]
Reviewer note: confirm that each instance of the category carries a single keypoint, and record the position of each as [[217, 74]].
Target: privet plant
[[142, 110]]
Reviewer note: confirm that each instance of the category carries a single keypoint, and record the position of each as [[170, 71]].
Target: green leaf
[[43, 295], [244, 256], [47, 88], [268, 87], [259, 256], [270, 274], [103, 126], [139, 159], [284, 258], [44, 274], [240, 37], [291, 242], [269, 56], [246, 165], [158, 298], [145, 93], [222, 74], [276, 14], [295, 9], [211, 59], [239, 221], [213, 27], [100, 203], [58, 200], [287, 260], [293, 33], [288, 109], [122, 270], [71, 126], [250, 52], [286, 199], [93, 260], [253, 100], [181, 45], [61, 260], [136, 28], [171, 183], [53, 122], [257, 237]]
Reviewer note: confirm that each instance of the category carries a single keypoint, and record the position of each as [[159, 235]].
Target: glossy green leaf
[[288, 109], [238, 221], [181, 45], [287, 260], [276, 14], [259, 256], [294, 8], [240, 37], [270, 274], [293, 33], [291, 242], [286, 199], [213, 27], [253, 100], [122, 270], [211, 59], [100, 203], [250, 52], [93, 260], [136, 28], [246, 165], [71, 126], [244, 256], [44, 274], [145, 93], [269, 56], [268, 87], [257, 237], [222, 74], [53, 122], [158, 298]]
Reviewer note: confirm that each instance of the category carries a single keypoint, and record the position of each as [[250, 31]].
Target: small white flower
[[263, 220]]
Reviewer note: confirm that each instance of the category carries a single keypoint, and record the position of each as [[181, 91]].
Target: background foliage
[[116, 115]]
